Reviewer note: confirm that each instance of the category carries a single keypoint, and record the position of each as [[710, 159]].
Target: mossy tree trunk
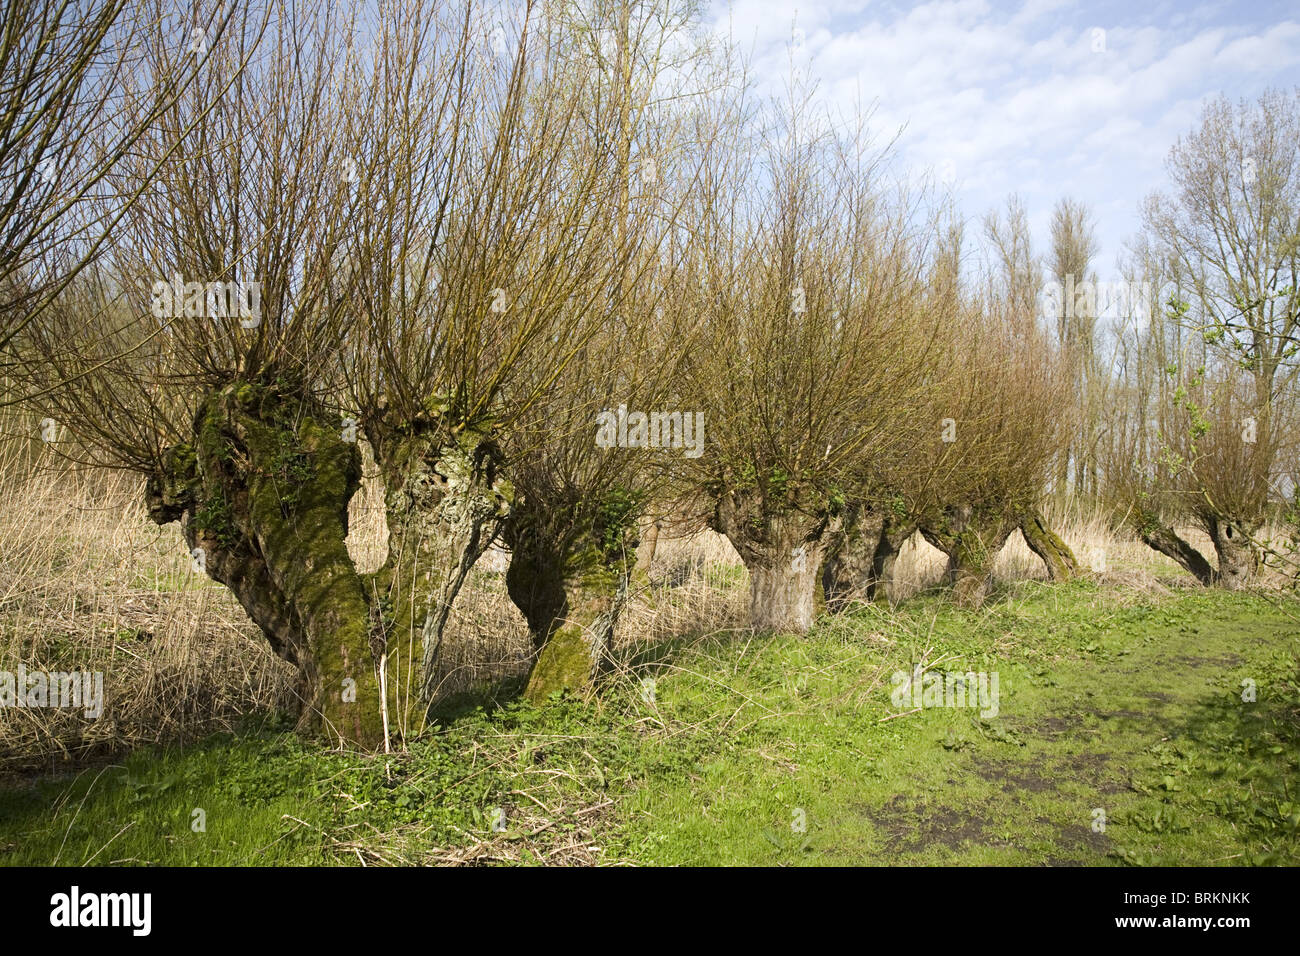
[[1238, 558], [783, 553], [850, 571], [445, 501], [972, 539], [570, 574], [262, 495], [1048, 545]]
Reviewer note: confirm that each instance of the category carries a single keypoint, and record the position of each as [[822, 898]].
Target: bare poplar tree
[[1074, 245]]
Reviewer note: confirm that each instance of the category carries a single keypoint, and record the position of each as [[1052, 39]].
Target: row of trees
[[472, 241]]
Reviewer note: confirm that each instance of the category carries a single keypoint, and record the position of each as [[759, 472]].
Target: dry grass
[[87, 582]]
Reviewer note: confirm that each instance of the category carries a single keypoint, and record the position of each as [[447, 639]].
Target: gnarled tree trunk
[[1164, 539], [972, 540], [851, 572], [262, 495], [570, 577], [1238, 558], [784, 555], [445, 501], [1048, 545]]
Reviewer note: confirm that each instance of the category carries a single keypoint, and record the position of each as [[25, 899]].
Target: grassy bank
[[776, 751]]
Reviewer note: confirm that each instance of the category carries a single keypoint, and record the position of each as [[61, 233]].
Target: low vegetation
[[1120, 692]]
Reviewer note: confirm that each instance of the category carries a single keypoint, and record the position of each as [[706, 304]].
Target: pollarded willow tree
[[876, 523], [584, 467], [806, 281], [997, 423], [510, 267], [213, 336], [1199, 459], [586, 456], [371, 233], [989, 453], [993, 404]]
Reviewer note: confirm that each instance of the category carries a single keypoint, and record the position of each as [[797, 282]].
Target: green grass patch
[[1121, 736]]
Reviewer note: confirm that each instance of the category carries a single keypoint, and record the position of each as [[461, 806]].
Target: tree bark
[[782, 590], [570, 576], [1044, 542], [784, 555], [850, 570], [1238, 558], [893, 536], [577, 643], [972, 541], [1165, 540], [262, 494], [645, 555], [446, 502]]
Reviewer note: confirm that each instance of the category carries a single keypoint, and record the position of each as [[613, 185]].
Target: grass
[[780, 750]]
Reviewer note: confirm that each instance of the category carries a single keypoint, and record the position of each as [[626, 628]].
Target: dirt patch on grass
[[1092, 768], [1085, 837], [1027, 782], [1016, 776], [1043, 776], [1057, 725], [1047, 726], [1227, 660], [912, 828]]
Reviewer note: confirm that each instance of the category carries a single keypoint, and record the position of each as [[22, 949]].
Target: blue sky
[[1028, 97]]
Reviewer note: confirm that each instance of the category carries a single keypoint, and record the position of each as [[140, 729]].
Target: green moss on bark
[[971, 536], [570, 573], [1048, 545], [445, 501], [264, 489]]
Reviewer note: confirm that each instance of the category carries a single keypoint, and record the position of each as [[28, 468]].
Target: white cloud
[[1015, 97]]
